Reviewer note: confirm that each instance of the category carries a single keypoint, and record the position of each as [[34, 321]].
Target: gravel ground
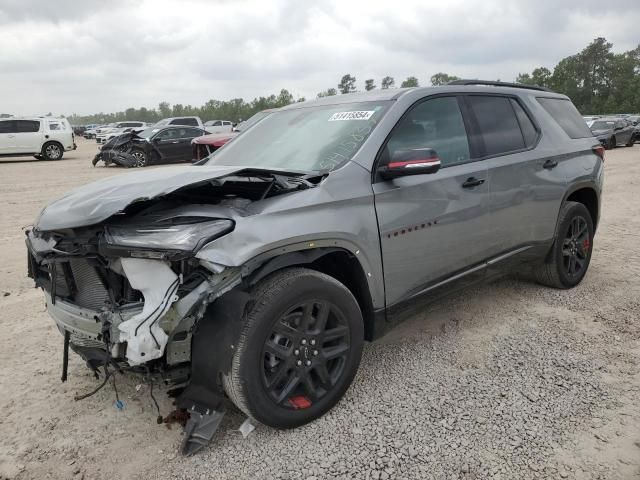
[[508, 380]]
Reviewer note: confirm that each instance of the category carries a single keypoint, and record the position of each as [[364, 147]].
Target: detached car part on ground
[[259, 274], [153, 145]]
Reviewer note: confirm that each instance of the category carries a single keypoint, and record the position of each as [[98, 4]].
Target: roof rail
[[498, 84]]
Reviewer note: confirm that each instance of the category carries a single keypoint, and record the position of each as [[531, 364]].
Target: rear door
[[431, 226], [167, 143], [29, 136], [183, 151], [7, 136], [525, 186]]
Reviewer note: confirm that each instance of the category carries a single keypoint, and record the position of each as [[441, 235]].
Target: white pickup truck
[[103, 135], [42, 137], [212, 126]]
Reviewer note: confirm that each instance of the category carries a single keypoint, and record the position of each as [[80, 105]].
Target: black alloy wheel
[[576, 246], [568, 259], [299, 348], [305, 354]]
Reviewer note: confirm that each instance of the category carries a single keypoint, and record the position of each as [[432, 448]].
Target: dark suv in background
[[260, 273]]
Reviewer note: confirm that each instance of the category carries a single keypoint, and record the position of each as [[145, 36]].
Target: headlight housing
[[166, 238]]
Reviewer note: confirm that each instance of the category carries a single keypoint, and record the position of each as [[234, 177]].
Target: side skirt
[[488, 270]]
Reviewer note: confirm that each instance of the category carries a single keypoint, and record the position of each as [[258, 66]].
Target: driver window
[[436, 124]]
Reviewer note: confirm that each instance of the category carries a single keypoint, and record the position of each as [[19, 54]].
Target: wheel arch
[[337, 262], [588, 196]]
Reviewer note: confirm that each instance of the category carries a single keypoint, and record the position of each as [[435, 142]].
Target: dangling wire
[[149, 379]]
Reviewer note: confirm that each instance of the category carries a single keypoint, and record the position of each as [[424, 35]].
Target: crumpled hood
[[93, 203]]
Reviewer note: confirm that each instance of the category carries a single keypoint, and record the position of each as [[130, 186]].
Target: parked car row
[[614, 131]]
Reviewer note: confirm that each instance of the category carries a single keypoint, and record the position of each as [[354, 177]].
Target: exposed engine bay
[[129, 293]]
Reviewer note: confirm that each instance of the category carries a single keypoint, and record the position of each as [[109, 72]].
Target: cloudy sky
[[69, 56]]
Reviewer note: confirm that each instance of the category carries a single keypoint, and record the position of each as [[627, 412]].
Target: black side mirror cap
[[415, 161]]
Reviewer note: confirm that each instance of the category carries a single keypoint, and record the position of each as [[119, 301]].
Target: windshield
[[315, 138], [147, 132], [601, 125]]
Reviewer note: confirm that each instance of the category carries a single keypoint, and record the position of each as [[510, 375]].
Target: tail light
[[598, 150]]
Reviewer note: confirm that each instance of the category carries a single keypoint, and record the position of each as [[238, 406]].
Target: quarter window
[[436, 124], [529, 131], [567, 116], [498, 125]]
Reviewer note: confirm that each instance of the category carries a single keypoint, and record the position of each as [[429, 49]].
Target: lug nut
[[303, 342], [308, 362], [315, 352], [313, 341], [299, 362], [296, 352]]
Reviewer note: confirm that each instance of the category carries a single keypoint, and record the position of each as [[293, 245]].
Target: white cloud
[[91, 56]]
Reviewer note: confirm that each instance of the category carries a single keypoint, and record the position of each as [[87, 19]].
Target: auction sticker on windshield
[[358, 115]]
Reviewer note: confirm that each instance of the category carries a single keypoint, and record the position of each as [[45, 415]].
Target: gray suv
[[259, 275]]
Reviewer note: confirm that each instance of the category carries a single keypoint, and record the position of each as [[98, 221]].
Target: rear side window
[[567, 116], [529, 131], [191, 132], [27, 126], [497, 123], [54, 126], [7, 126]]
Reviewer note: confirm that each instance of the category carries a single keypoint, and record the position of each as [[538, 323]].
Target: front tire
[[299, 349], [571, 252], [52, 151], [611, 144]]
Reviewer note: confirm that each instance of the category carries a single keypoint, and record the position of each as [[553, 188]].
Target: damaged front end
[[130, 291], [120, 151]]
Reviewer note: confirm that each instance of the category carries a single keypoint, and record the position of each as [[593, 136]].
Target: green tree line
[[596, 79]]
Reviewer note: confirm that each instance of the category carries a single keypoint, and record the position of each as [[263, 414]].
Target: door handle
[[472, 182], [549, 164], [176, 141]]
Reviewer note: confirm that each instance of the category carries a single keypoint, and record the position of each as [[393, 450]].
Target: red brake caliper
[[299, 402]]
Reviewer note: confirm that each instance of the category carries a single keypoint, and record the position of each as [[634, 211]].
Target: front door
[[433, 226], [7, 136]]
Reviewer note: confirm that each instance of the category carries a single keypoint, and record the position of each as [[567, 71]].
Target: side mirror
[[415, 161]]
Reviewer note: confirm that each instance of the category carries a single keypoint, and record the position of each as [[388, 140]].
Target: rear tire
[[52, 151], [570, 254], [299, 348], [632, 140]]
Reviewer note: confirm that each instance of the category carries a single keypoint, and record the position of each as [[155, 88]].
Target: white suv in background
[[42, 137]]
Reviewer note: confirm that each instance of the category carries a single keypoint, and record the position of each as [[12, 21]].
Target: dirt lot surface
[[509, 380]]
